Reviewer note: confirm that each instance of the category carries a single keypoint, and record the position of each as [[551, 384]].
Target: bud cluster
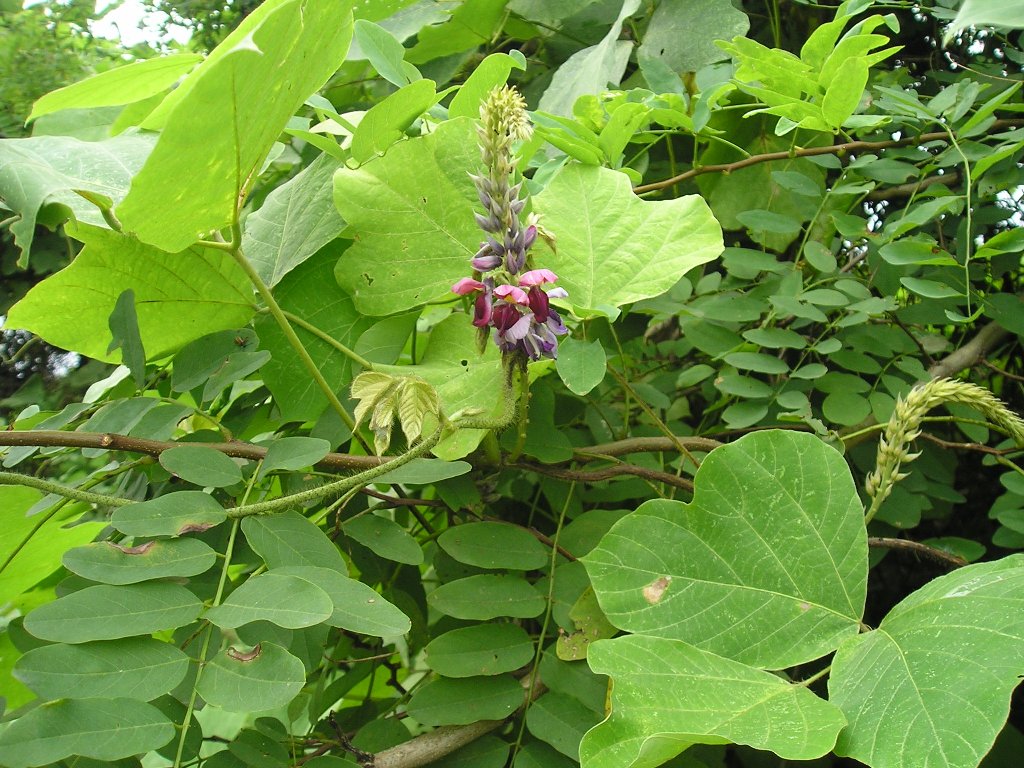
[[508, 300]]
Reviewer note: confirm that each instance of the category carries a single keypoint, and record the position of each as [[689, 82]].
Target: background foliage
[[694, 539]]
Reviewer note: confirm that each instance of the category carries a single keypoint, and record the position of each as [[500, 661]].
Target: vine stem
[[228, 552], [832, 149], [296, 343]]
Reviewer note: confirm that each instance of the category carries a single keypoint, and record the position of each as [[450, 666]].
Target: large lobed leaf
[[178, 296], [767, 565], [48, 169], [219, 124], [932, 685], [613, 247], [667, 694]]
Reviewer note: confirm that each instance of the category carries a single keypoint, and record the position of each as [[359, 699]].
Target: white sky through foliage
[[130, 23]]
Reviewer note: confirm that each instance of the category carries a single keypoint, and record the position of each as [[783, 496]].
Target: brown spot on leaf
[[238, 655], [805, 606], [138, 549], [654, 591], [194, 528]]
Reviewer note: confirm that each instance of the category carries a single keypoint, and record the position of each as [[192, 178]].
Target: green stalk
[[289, 333]]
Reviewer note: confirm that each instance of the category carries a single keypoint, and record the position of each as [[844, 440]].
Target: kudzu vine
[[518, 389]]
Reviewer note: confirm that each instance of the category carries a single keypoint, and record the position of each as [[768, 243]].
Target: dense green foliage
[[662, 416]]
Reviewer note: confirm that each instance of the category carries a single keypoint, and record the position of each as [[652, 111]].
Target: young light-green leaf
[[71, 309], [412, 212], [384, 123], [774, 538], [254, 80], [613, 247], [123, 85]]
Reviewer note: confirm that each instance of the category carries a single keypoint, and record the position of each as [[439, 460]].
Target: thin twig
[[832, 149], [932, 553]]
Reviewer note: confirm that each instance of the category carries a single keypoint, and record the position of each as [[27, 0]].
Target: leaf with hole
[[171, 515], [264, 677]]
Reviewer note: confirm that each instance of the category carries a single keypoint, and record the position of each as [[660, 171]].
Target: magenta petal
[[467, 285], [537, 277], [482, 310], [539, 303], [511, 293]]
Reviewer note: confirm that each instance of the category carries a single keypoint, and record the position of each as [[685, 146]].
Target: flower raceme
[[509, 300], [521, 315]]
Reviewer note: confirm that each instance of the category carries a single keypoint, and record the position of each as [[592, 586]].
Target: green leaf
[[385, 538], [581, 364], [489, 74], [112, 612], [385, 122], [111, 563], [486, 752], [755, 361], [424, 471], [473, 23], [124, 327], [561, 721], [294, 453], [412, 213], [71, 309], [995, 13], [171, 515], [774, 538], [254, 80], [311, 292], [930, 289], [385, 53], [494, 545], [123, 85], [949, 657], [283, 600], [613, 247], [135, 668], [357, 607], [266, 677], [845, 408], [201, 466], [487, 596], [296, 220], [699, 23], [590, 70], [667, 695], [482, 649], [102, 729], [461, 701], [31, 547], [291, 539], [48, 169]]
